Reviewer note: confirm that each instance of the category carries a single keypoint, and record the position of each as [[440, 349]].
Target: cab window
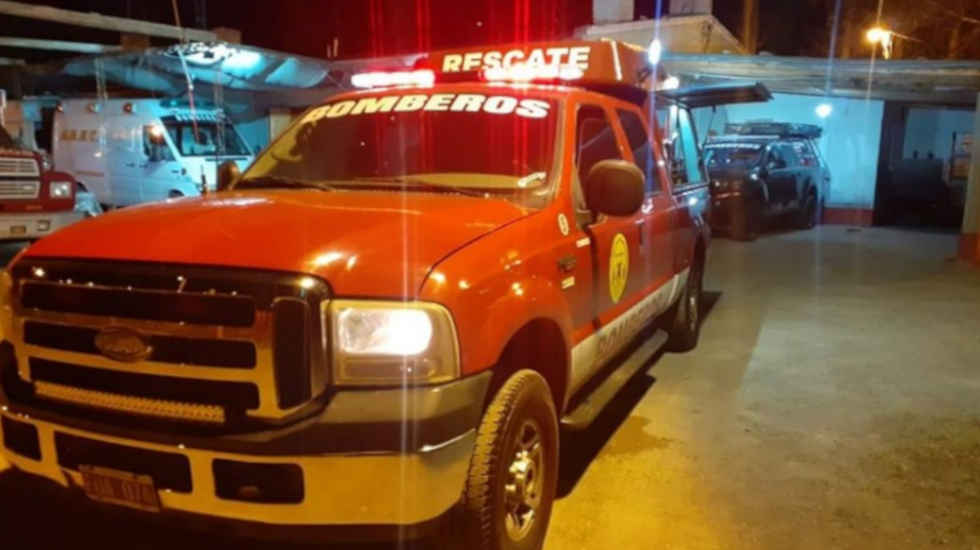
[[642, 148], [775, 160], [595, 140], [681, 147], [155, 144]]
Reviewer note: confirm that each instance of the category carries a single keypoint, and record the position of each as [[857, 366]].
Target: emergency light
[[523, 72], [420, 77]]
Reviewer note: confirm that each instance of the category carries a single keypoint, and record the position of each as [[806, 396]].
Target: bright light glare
[[655, 52], [421, 77], [156, 131], [522, 72], [384, 331], [671, 83], [878, 35], [60, 189], [824, 110]]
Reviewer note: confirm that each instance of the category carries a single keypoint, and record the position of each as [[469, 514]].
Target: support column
[[969, 240]]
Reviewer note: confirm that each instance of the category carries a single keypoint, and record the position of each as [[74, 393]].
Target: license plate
[[122, 488], [18, 229]]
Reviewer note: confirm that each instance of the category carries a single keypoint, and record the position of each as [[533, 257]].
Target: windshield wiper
[[281, 182], [418, 184]]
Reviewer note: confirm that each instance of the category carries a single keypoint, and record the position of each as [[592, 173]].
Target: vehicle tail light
[[420, 77], [522, 72]]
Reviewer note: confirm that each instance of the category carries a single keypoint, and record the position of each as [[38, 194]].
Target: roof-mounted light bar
[[379, 79], [522, 72]]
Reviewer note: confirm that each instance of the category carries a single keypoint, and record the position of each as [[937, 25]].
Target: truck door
[[619, 262], [657, 212], [780, 177], [149, 169]]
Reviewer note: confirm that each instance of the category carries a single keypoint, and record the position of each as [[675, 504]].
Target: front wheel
[[514, 470], [686, 326], [808, 214]]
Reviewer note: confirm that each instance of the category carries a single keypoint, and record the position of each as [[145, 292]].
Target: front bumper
[[725, 206], [409, 485], [34, 225]]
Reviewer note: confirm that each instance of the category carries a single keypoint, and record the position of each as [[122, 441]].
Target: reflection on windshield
[[742, 155], [498, 154], [204, 138]]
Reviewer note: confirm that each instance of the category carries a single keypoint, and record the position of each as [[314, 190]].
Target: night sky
[[383, 27]]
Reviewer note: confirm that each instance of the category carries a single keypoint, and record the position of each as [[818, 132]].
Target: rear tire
[[686, 326], [514, 469]]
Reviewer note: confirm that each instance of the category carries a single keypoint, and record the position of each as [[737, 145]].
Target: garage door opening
[[926, 158]]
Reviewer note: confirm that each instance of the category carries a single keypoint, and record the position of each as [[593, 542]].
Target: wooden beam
[[57, 45], [104, 22]]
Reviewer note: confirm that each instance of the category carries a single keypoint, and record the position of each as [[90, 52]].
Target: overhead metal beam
[[104, 22], [57, 45]]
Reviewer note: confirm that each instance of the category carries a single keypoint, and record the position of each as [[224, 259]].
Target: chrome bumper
[[387, 488], [34, 225]]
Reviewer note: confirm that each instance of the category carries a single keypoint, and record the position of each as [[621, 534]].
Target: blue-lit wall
[[931, 130], [850, 142]]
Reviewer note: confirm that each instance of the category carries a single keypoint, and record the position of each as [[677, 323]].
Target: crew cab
[[382, 322], [765, 170], [34, 201]]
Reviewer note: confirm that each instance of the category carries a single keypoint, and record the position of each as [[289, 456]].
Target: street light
[[878, 35]]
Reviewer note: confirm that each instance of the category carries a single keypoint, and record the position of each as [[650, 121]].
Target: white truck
[[129, 151]]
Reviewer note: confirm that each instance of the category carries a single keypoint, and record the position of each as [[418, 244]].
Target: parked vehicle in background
[[34, 200], [129, 151], [765, 170]]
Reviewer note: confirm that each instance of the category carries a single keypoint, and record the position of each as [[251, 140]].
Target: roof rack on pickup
[[757, 128]]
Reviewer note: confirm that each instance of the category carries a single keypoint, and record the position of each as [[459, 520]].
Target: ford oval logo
[[123, 344]]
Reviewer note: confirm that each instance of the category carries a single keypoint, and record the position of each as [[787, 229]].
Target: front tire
[[514, 469], [686, 326], [808, 214]]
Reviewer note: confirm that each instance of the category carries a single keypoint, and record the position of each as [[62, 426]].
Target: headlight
[[379, 343], [60, 190]]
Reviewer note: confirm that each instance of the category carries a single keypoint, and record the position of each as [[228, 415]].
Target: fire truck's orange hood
[[363, 243]]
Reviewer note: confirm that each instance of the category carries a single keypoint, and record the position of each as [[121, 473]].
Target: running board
[[582, 416]]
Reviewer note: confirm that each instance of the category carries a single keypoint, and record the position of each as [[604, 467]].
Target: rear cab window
[[681, 147]]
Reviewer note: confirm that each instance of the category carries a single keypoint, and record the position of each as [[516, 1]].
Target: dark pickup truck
[[764, 170]]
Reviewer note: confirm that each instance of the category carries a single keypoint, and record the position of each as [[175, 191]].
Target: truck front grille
[[24, 166], [19, 189], [205, 342]]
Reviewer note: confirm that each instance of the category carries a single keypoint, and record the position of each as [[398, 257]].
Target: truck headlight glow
[[60, 190], [388, 343], [383, 331]]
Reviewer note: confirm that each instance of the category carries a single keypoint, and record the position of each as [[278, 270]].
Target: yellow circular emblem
[[619, 267]]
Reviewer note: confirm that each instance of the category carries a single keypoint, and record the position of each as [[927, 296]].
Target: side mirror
[[615, 188], [228, 174]]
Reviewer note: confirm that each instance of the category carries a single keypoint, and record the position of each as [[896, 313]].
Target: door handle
[[567, 264]]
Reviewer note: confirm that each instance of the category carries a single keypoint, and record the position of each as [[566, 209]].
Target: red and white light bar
[[522, 72], [378, 79]]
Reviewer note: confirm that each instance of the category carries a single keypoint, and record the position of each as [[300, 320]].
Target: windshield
[[204, 138], [734, 155], [491, 146]]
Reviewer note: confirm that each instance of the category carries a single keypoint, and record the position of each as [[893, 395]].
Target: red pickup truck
[[382, 322]]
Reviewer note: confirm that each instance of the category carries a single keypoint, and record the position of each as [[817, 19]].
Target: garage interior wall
[[931, 130], [850, 141]]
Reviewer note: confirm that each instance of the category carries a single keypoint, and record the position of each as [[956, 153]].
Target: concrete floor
[[832, 403]]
